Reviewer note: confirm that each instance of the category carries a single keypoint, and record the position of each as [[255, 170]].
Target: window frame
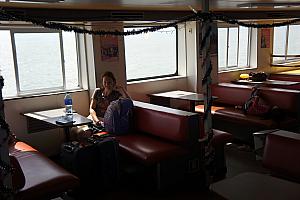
[[236, 68], [152, 77], [31, 29], [287, 58]]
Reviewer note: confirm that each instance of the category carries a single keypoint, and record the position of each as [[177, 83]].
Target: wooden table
[[164, 98], [255, 186], [267, 82], [51, 117]]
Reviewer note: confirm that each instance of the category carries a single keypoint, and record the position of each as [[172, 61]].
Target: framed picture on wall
[[109, 48], [265, 38]]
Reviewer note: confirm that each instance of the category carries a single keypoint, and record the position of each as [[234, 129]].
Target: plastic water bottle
[[68, 106]]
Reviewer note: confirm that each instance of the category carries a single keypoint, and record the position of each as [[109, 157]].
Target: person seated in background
[[100, 100], [102, 97]]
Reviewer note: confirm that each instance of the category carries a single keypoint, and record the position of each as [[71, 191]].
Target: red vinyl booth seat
[[229, 118], [160, 133], [281, 154], [170, 140], [44, 179], [149, 150], [163, 138], [287, 77]]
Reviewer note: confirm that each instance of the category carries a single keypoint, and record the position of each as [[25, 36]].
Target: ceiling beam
[[75, 15]]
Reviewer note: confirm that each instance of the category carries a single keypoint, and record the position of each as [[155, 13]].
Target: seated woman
[[101, 99]]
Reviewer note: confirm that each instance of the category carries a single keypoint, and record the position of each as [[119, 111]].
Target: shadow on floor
[[141, 185]]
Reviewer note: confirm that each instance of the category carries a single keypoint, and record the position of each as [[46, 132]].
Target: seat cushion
[[234, 115], [147, 149], [43, 177]]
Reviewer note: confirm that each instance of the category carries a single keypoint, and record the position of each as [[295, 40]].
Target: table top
[[251, 185], [266, 82], [179, 94], [51, 116]]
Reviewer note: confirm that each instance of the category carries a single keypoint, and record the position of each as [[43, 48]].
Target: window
[[233, 48], [151, 55], [35, 60], [286, 43]]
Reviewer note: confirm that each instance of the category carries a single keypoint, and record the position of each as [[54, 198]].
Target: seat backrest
[[285, 77], [167, 123], [285, 99], [234, 94], [281, 154], [231, 94]]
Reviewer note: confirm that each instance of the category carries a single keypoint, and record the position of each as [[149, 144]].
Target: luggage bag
[[95, 161]]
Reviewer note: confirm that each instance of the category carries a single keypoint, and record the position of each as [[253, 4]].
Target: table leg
[[67, 133], [192, 106]]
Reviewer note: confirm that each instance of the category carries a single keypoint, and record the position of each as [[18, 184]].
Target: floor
[[239, 159]]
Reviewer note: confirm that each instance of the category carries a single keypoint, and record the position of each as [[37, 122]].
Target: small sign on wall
[[109, 48], [265, 38]]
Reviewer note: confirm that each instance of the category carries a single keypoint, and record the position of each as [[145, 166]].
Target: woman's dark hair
[[110, 75]]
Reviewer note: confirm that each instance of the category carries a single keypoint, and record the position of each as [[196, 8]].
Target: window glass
[[279, 44], [7, 64], [222, 47], [243, 46], [232, 47], [294, 40], [35, 60], [71, 62], [38, 55], [152, 54]]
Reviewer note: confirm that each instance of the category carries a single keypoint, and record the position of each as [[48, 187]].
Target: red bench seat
[[229, 118], [43, 178], [168, 139], [281, 153], [149, 150], [160, 133]]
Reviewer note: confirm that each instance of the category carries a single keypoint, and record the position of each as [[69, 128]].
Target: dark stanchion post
[[206, 83], [5, 173], [206, 89]]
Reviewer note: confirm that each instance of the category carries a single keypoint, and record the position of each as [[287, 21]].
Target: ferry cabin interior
[[40, 64]]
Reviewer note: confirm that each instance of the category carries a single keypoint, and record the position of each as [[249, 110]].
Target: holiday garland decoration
[[252, 25], [59, 26], [10, 16]]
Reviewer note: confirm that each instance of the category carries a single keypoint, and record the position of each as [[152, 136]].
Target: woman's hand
[[98, 123]]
